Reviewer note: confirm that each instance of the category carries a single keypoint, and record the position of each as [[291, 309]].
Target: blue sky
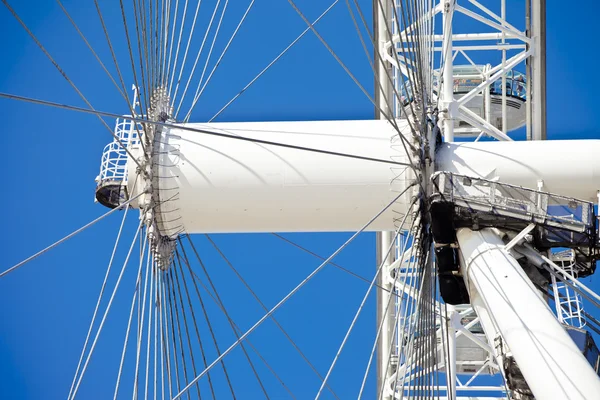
[[51, 158]]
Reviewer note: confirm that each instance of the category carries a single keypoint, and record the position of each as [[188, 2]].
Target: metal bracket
[[520, 236]]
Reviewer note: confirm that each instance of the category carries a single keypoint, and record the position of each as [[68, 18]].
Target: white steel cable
[[87, 337], [69, 236], [171, 40], [360, 307], [219, 303], [206, 33], [273, 62], [286, 298], [380, 327], [112, 296], [187, 46], [126, 340], [233, 35], [155, 307], [151, 306], [410, 282], [141, 317]]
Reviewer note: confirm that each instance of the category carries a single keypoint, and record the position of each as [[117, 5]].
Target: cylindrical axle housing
[[207, 183], [214, 184]]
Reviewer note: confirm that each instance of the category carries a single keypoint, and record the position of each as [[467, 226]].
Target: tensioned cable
[[186, 128], [408, 310], [141, 54], [114, 57], [185, 324], [361, 306], [156, 317], [388, 117], [110, 301], [362, 278], [287, 297], [410, 89], [69, 236], [380, 327], [217, 299], [187, 47], [231, 323], [64, 75], [272, 62], [151, 307], [264, 307], [126, 340], [206, 34], [87, 337], [194, 320], [207, 319], [141, 318], [170, 319], [161, 333], [165, 334], [172, 72], [110, 47], [143, 107], [175, 316], [413, 327], [389, 77], [92, 50], [233, 35]]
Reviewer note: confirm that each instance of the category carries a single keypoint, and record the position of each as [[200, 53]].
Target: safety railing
[[563, 221], [569, 305], [113, 167]]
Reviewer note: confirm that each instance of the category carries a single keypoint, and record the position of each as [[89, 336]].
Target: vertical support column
[[451, 359], [447, 91], [503, 16], [385, 311], [538, 70], [382, 23]]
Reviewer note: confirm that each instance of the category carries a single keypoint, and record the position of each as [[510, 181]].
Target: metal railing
[[558, 213], [569, 305], [113, 167]]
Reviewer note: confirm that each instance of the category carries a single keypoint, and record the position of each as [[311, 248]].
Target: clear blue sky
[[51, 158]]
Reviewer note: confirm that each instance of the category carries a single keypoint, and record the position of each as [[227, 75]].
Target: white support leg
[[551, 363], [538, 16], [385, 311], [383, 98], [448, 102], [451, 359]]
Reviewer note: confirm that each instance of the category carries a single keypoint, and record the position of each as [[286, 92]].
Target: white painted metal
[[214, 184], [113, 166], [447, 92], [568, 303], [384, 93], [538, 14], [549, 360], [385, 312], [566, 167], [504, 37], [450, 332]]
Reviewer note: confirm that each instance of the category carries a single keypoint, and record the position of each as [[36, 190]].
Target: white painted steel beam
[[550, 362]]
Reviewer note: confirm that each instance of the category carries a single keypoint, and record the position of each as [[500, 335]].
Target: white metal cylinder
[[550, 362], [216, 184], [566, 167]]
